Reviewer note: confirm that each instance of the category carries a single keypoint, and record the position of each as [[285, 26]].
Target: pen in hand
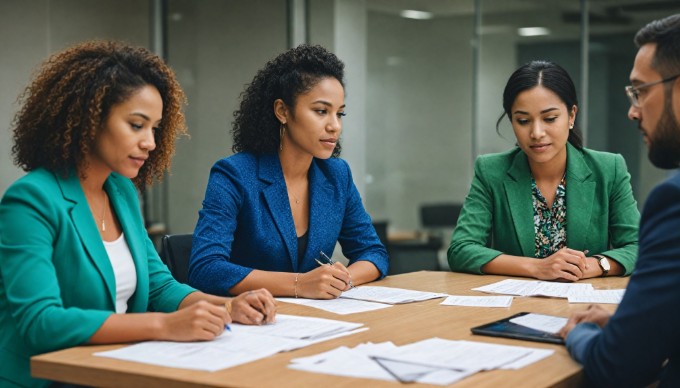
[[227, 306]]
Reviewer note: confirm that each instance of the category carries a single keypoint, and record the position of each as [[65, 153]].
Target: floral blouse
[[550, 224]]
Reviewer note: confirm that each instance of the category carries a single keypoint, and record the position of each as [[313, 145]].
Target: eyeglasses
[[633, 92]]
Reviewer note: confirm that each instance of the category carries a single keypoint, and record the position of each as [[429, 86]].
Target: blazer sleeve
[[209, 267], [28, 227], [624, 219], [358, 237], [468, 251], [647, 320]]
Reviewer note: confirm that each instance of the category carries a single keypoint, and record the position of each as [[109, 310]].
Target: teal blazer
[[602, 215], [57, 286]]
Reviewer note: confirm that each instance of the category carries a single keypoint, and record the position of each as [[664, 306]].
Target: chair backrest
[[175, 253], [443, 215]]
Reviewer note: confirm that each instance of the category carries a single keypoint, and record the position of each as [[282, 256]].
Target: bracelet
[[228, 307], [296, 281]]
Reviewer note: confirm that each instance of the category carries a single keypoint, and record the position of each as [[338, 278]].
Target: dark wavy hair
[[294, 72], [666, 34], [71, 96], [549, 75]]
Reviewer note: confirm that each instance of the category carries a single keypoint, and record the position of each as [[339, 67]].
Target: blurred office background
[[423, 88]]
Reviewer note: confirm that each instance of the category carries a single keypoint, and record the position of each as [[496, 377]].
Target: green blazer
[[57, 285], [602, 215]]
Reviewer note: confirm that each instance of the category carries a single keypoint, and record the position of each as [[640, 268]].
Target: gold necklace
[[297, 201], [106, 205]]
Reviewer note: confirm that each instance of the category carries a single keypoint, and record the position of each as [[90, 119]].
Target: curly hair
[[71, 96], [294, 72]]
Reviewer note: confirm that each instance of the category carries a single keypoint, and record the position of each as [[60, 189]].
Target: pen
[[227, 306], [330, 261]]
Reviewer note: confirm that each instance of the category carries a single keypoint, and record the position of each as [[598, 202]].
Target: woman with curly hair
[[74, 254], [273, 209]]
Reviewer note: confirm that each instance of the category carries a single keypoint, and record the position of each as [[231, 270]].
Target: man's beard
[[664, 145]]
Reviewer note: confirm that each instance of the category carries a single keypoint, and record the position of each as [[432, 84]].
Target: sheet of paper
[[338, 306], [478, 301], [389, 295], [298, 327], [547, 323], [599, 296], [536, 288]]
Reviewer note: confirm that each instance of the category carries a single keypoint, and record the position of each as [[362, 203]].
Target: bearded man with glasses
[[640, 343]]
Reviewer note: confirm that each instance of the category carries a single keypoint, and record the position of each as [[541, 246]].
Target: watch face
[[605, 264]]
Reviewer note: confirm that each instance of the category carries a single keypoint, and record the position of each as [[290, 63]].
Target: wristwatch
[[604, 264]]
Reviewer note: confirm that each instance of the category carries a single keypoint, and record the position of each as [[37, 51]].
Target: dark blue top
[[246, 222], [641, 342]]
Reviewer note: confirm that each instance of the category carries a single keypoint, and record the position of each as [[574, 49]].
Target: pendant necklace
[[106, 205]]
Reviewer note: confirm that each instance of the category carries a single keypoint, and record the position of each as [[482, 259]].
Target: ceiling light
[[533, 31], [413, 14]]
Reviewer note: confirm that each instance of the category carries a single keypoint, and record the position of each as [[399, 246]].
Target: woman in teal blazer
[[74, 254], [548, 209]]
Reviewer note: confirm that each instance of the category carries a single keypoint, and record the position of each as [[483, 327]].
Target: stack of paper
[[243, 344], [432, 361], [536, 288]]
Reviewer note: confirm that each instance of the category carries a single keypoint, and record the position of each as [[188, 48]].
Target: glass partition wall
[[424, 80]]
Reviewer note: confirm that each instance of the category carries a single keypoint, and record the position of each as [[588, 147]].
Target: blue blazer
[[57, 285], [246, 222], [641, 341]]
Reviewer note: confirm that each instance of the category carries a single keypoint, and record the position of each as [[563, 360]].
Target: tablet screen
[[507, 329]]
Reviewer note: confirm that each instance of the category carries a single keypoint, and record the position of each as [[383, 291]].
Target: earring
[[282, 131], [571, 126]]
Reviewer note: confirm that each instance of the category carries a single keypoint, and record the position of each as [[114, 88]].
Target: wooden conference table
[[400, 324]]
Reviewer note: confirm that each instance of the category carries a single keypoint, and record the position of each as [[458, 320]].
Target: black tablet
[[507, 329]]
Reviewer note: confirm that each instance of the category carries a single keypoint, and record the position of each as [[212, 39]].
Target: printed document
[[599, 296], [478, 301], [389, 295], [339, 305], [542, 322], [536, 288]]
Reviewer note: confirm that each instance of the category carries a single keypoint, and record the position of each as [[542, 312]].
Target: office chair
[[442, 215], [175, 253]]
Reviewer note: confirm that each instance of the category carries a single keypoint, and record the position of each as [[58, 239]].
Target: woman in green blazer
[[548, 209], [76, 263]]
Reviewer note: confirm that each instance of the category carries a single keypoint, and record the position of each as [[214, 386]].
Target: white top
[[124, 271]]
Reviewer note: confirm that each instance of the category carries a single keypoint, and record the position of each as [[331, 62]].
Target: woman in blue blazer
[[550, 208], [273, 212], [74, 254]]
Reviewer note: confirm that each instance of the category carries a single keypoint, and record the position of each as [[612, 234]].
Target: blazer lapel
[[580, 195], [321, 213], [276, 197], [134, 236], [87, 229], [518, 195]]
